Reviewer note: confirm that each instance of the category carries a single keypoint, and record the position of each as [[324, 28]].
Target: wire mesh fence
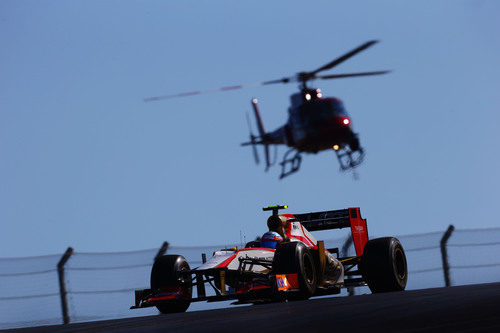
[[474, 255], [29, 291], [101, 285]]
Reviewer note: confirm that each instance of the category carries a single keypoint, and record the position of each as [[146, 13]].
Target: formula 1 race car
[[298, 267]]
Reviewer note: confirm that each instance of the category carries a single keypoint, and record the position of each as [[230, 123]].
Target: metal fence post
[[162, 250], [62, 283], [345, 253], [444, 255]]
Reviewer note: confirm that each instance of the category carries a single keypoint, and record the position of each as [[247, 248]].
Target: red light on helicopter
[[346, 121]]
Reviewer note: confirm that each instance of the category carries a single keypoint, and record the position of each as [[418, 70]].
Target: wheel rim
[[308, 270], [400, 263], [183, 281]]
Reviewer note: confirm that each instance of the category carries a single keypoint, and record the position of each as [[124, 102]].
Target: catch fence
[[98, 286]]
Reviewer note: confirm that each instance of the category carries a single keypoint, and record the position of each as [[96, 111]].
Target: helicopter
[[315, 123]]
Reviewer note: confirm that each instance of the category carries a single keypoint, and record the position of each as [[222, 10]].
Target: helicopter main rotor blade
[[340, 76], [300, 77], [343, 58], [209, 91]]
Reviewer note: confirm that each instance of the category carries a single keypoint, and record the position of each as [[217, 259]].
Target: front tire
[[165, 274], [384, 265], [295, 258]]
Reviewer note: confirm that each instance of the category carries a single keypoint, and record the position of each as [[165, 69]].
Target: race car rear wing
[[337, 219]]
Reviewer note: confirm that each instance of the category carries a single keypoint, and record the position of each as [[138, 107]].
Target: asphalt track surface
[[472, 308]]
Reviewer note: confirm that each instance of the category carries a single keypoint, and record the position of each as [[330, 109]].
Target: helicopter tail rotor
[[262, 131], [253, 141], [262, 139]]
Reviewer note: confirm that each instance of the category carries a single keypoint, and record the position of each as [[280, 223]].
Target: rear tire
[[383, 265], [295, 258], [165, 273]]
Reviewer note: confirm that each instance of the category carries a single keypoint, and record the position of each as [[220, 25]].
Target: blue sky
[[86, 163]]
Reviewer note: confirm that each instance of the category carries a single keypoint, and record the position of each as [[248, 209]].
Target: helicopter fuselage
[[314, 124], [318, 125]]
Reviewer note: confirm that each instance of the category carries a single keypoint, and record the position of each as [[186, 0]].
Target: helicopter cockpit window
[[338, 108], [321, 111]]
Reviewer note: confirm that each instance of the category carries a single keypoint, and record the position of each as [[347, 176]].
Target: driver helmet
[[270, 239]]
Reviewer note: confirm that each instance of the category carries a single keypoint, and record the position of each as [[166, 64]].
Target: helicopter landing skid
[[349, 159], [293, 162]]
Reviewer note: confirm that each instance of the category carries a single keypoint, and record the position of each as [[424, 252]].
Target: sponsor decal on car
[[287, 282]]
